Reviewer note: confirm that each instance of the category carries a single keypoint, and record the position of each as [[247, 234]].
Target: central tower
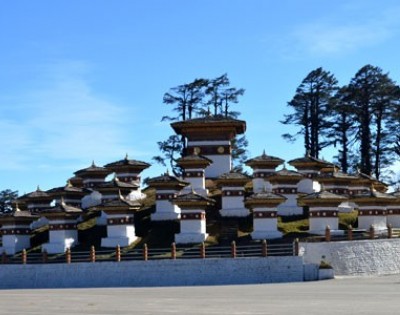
[[211, 137]]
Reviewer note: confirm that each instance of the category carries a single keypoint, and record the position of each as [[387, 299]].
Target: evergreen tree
[[312, 110], [343, 130], [373, 95]]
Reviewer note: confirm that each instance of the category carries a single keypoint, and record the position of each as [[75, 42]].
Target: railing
[[351, 234], [175, 252]]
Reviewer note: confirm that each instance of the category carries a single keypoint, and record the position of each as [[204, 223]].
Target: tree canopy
[[360, 119]]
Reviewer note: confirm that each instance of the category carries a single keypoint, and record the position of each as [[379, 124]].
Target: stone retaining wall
[[356, 258], [154, 273]]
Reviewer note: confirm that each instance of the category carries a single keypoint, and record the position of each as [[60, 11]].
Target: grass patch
[[346, 219], [296, 225]]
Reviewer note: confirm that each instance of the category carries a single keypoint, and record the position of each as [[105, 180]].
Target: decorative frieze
[[285, 190], [324, 214], [371, 212], [60, 227], [193, 216], [16, 231], [209, 150], [198, 174], [165, 196], [120, 221], [264, 214], [232, 193]]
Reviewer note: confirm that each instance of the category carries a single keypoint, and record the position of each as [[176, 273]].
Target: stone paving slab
[[366, 295]]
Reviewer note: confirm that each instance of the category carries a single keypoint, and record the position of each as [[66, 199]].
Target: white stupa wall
[[165, 209], [393, 216], [120, 231], [233, 205], [372, 215], [321, 217], [261, 184], [197, 183], [60, 240], [265, 224], [193, 227], [289, 206], [13, 243], [308, 186], [221, 162]]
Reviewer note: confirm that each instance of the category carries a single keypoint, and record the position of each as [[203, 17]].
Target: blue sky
[[84, 80]]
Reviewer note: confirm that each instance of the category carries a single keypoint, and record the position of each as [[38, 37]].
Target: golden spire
[[126, 156]]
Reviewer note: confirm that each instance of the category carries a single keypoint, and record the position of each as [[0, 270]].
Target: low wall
[[154, 273], [356, 258]]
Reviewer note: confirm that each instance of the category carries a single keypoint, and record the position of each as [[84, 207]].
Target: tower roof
[[93, 171], [193, 161], [264, 161], [127, 163], [166, 181], [309, 162], [209, 128], [232, 179], [264, 198]]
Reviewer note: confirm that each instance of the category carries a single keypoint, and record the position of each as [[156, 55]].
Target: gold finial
[[167, 172], [93, 165], [263, 154], [126, 156], [69, 184], [38, 188]]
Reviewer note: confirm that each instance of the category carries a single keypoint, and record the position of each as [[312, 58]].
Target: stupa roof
[[68, 188], [62, 208], [309, 162], [193, 160], [122, 202], [126, 162], [93, 170], [193, 199], [221, 126], [116, 183], [166, 180], [232, 179], [266, 195], [264, 160], [285, 175], [321, 198], [37, 194]]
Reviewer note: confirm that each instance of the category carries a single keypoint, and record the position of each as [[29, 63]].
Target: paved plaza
[[367, 295]]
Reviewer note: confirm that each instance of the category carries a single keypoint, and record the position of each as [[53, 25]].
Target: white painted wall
[[182, 272], [289, 206]]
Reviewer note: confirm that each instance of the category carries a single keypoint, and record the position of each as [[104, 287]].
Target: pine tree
[[312, 110], [372, 94]]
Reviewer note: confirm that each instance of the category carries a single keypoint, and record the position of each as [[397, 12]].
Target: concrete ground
[[367, 295]]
